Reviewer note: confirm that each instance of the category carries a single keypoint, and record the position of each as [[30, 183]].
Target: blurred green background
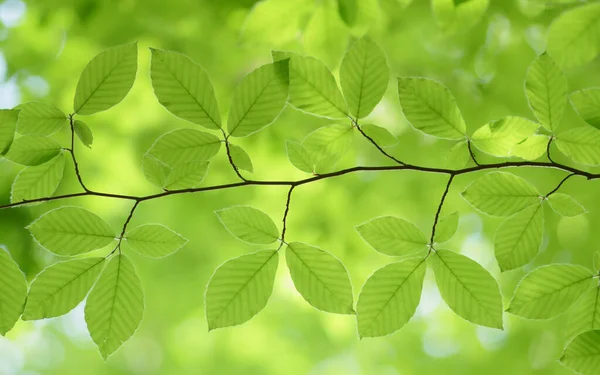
[[45, 44]]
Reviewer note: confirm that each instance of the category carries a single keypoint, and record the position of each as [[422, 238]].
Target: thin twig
[[285, 214], [559, 185], [227, 147], [548, 150], [72, 152], [472, 153], [122, 235], [439, 209], [374, 143]]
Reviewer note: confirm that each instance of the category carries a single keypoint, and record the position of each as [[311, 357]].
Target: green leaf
[[115, 307], [185, 145], [580, 144], [299, 156], [327, 164], [549, 290], [519, 238], [390, 297], [106, 79], [259, 99], [155, 171], [532, 148], [33, 150], [364, 77], [320, 277], [501, 194], [240, 158], [573, 36], [498, 138], [186, 175], [13, 291], [84, 133], [39, 181], [40, 119], [8, 124], [326, 35], [587, 104], [565, 205], [430, 108], [328, 141], [69, 231], [380, 135], [359, 15], [59, 288], [313, 88], [583, 353], [596, 261], [393, 236], [154, 240], [454, 15], [240, 288], [546, 88], [458, 155], [249, 224], [184, 88], [446, 227], [282, 55], [468, 289], [585, 314]]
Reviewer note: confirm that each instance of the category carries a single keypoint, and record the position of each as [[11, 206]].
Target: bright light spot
[[11, 357], [491, 339], [36, 84], [544, 350], [9, 94], [144, 355], [439, 343], [3, 67], [73, 325], [336, 365], [430, 299], [11, 12]]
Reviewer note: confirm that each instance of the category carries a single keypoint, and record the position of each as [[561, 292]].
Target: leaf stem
[[72, 152], [227, 147], [437, 213], [381, 150]]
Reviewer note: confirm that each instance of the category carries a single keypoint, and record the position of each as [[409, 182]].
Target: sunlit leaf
[[299, 156], [240, 158], [458, 156], [84, 133], [531, 148], [249, 224], [498, 138], [585, 314], [185, 145], [8, 124], [580, 144], [13, 291], [393, 236], [155, 171], [38, 118], [446, 227], [33, 150], [328, 141], [154, 240], [587, 104], [185, 175], [380, 135], [583, 353], [39, 181], [546, 88], [565, 205]]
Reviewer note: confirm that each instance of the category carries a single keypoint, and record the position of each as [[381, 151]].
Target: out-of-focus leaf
[[359, 15], [454, 15], [8, 124], [587, 104], [326, 35], [565, 205], [13, 291], [583, 353], [446, 227]]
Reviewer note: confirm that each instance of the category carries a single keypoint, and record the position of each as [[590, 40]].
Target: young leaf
[[468, 289], [320, 277], [240, 288], [498, 138], [585, 314], [565, 205], [33, 150], [154, 240], [185, 175], [84, 133], [299, 157], [583, 353], [580, 144], [446, 227], [8, 124], [69, 231], [501, 194], [106, 79], [38, 118], [59, 288], [184, 88], [549, 290], [249, 224], [393, 236], [313, 88], [573, 36], [518, 239], [39, 181], [13, 291], [390, 297], [546, 88], [328, 141], [115, 306], [587, 104], [240, 158], [532, 148], [430, 108], [380, 135], [259, 99], [185, 145], [364, 77]]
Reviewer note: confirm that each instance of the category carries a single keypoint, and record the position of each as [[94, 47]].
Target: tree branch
[[559, 185], [235, 168], [381, 150], [72, 152], [472, 153], [548, 150], [285, 214], [439, 209]]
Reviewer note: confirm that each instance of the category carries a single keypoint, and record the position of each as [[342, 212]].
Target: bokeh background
[[45, 44]]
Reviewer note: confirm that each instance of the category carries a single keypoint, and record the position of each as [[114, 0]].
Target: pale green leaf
[[393, 236], [364, 77], [39, 181], [33, 150], [359, 15], [580, 144], [327, 164], [240, 288], [549, 290], [458, 155], [446, 227], [13, 291], [184, 88], [583, 353], [259, 99], [585, 314], [84, 133], [38, 118], [532, 148], [501, 194], [154, 240], [69, 231], [8, 125], [299, 157], [380, 135], [320, 277], [313, 88], [430, 108], [185, 145], [249, 224], [240, 158], [390, 297], [565, 205], [115, 306], [498, 138], [518, 238], [587, 104], [60, 287], [186, 175], [326, 35], [328, 141], [455, 15], [155, 171], [282, 55], [546, 88], [468, 289], [106, 79]]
